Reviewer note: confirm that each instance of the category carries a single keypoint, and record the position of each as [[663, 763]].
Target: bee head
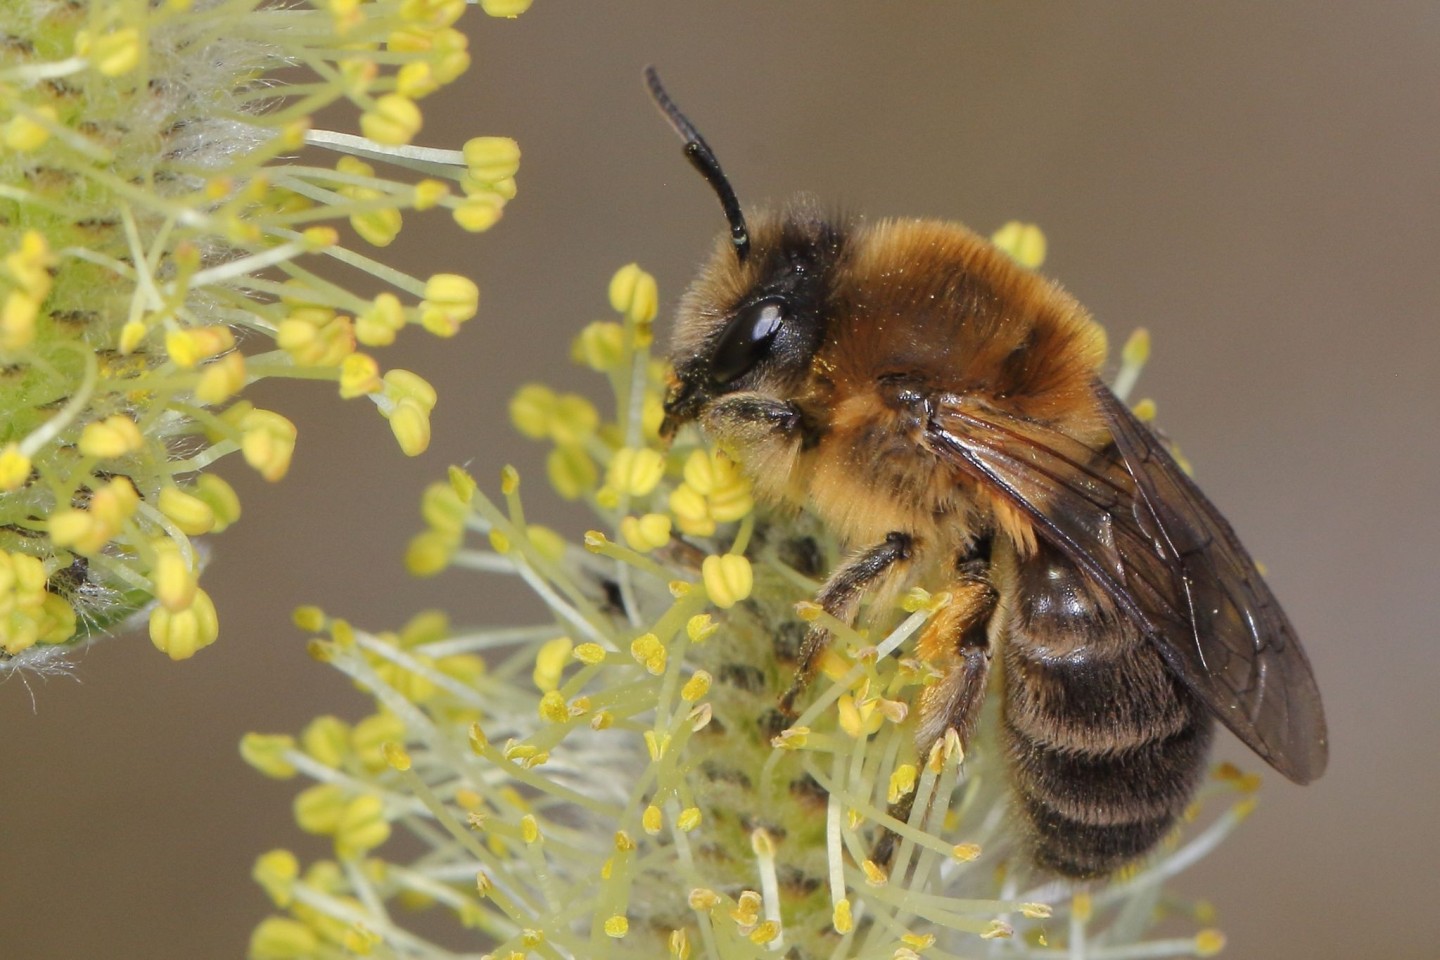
[[755, 315]]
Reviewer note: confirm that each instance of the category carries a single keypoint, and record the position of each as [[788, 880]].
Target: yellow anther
[[180, 634], [859, 718], [416, 80], [188, 347], [450, 300], [377, 324], [600, 345], [317, 239], [410, 424], [175, 582], [276, 872], [30, 264], [702, 472], [747, 908], [997, 930], [589, 653], [728, 579], [792, 738], [280, 938], [222, 379], [316, 337], [965, 852], [114, 53], [267, 442], [1209, 942], [393, 121], [488, 159], [531, 410], [266, 753], [553, 708], [111, 438], [326, 739], [764, 932], [430, 552], [362, 827], [635, 471], [649, 652], [902, 783], [509, 9], [17, 320], [14, 468], [571, 471], [188, 512], [550, 662], [132, 333], [396, 756], [478, 212], [633, 293], [1024, 242], [24, 133], [442, 509], [701, 627], [360, 940], [646, 533], [692, 511], [731, 501], [875, 874], [359, 375], [428, 193], [696, 687]]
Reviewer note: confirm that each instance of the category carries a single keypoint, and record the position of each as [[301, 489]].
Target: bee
[[939, 408]]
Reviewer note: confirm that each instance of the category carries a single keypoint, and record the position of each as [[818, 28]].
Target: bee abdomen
[[1105, 753]]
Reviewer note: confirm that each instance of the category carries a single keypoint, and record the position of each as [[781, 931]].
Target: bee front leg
[[840, 597], [749, 419]]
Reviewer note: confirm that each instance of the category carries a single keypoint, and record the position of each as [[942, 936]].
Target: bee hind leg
[[956, 643], [840, 597]]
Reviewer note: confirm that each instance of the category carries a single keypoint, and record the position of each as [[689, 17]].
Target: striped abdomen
[[1105, 745]]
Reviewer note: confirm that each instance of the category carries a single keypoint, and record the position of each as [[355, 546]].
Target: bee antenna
[[702, 158]]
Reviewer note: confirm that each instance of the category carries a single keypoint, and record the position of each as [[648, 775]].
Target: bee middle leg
[[956, 642], [840, 597]]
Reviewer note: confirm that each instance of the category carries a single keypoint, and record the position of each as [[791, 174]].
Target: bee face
[[754, 325], [939, 409]]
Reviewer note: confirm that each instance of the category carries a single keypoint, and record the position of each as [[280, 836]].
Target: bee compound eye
[[746, 340]]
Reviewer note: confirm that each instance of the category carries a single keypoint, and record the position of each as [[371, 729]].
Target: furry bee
[[939, 408]]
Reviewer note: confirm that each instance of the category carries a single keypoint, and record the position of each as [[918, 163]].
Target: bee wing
[[1139, 527]]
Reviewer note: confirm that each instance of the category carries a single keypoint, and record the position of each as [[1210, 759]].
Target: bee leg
[[955, 642], [840, 597], [750, 418]]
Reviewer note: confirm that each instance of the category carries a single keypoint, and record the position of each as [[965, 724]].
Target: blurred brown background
[[1257, 183]]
